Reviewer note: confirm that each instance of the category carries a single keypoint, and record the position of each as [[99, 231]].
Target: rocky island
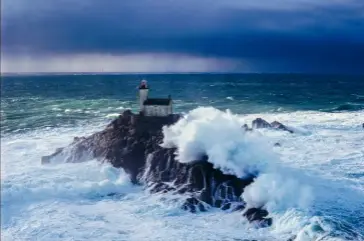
[[133, 142]]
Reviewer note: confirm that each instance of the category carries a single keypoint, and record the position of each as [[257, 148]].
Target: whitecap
[[229, 98], [112, 115]]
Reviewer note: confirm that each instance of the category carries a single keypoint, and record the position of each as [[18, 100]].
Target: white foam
[[112, 115], [56, 109], [67, 202], [277, 192], [219, 135]]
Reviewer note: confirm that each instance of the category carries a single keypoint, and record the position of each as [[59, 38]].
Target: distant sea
[[29, 102], [60, 202]]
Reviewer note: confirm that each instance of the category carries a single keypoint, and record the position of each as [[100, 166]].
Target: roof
[[141, 87], [159, 101]]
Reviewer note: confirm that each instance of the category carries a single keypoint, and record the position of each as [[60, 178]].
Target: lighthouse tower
[[143, 94], [153, 106]]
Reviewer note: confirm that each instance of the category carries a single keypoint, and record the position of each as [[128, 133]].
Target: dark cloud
[[303, 37]]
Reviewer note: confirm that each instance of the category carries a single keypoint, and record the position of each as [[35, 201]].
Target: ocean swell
[[349, 107]]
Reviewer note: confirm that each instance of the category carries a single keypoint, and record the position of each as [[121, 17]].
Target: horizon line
[[165, 73]]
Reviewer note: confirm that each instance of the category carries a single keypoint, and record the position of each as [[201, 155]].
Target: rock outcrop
[[132, 142], [261, 123]]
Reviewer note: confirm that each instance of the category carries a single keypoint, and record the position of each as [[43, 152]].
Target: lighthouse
[[143, 94], [153, 106]]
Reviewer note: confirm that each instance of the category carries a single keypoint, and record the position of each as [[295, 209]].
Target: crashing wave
[[205, 155]]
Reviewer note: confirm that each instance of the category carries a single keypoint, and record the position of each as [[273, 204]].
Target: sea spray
[[276, 192], [218, 134]]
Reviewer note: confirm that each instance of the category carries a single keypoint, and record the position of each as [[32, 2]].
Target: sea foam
[[218, 134], [65, 201]]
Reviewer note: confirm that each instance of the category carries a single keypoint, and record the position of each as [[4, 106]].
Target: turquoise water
[[63, 100]]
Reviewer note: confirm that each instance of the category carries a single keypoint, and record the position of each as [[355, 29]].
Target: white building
[[153, 106]]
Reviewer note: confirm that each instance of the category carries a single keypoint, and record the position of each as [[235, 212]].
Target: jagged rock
[[193, 204], [260, 123], [132, 142], [255, 214], [280, 126], [258, 214]]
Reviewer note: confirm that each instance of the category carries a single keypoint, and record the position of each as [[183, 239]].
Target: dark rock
[[277, 144], [280, 126], [161, 188], [260, 123], [226, 206], [258, 215], [217, 203], [265, 222], [246, 127], [254, 214], [193, 204], [132, 142], [77, 139]]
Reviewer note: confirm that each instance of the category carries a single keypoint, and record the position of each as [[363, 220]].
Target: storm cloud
[[205, 35]]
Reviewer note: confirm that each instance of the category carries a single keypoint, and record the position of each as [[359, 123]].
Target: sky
[[275, 36]]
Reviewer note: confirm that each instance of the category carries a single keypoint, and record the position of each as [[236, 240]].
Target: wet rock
[[77, 139], [193, 205], [226, 206], [260, 123], [280, 126], [132, 142], [254, 214], [258, 215], [161, 188]]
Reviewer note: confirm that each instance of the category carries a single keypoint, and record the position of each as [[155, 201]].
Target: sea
[[314, 192]]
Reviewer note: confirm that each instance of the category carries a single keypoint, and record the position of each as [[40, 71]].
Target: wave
[[294, 199], [349, 107], [217, 134], [107, 180], [278, 187]]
